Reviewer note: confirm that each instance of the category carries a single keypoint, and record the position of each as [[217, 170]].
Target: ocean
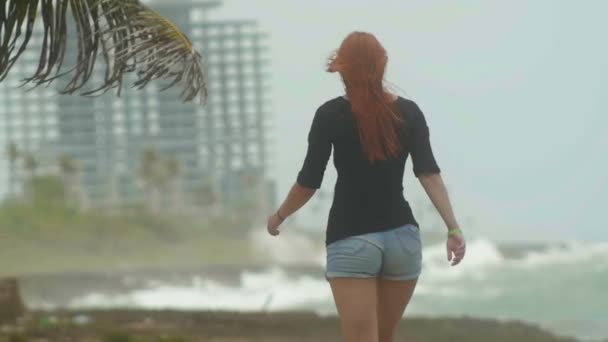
[[563, 287]]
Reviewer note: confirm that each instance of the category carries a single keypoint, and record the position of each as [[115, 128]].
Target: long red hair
[[361, 61]]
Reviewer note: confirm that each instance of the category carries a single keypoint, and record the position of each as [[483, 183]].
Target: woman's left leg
[[353, 264]]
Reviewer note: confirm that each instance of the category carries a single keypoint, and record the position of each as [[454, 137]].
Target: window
[[212, 30], [17, 121], [247, 43], [34, 120], [247, 29], [231, 70], [152, 102], [233, 96], [34, 108], [237, 162], [17, 134], [152, 89], [233, 108], [232, 83], [217, 123], [51, 134], [229, 30], [213, 58], [213, 43], [248, 68], [197, 15], [249, 82], [51, 120], [249, 95], [197, 32], [230, 57], [214, 72], [230, 43], [153, 127]]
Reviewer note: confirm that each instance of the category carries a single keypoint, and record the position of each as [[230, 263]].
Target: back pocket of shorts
[[409, 239], [347, 246]]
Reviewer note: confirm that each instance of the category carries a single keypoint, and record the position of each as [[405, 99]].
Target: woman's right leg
[[401, 267], [393, 297]]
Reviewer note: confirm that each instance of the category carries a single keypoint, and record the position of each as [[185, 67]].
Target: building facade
[[223, 143]]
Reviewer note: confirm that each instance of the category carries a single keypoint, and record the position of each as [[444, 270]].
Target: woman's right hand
[[455, 246]]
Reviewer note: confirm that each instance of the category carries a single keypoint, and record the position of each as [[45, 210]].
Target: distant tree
[[205, 195], [174, 175], [30, 166], [148, 173], [205, 198], [70, 173], [12, 152]]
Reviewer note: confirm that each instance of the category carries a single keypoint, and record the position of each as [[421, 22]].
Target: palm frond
[[128, 36]]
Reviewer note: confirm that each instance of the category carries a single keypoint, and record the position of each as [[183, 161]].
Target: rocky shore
[[179, 326]]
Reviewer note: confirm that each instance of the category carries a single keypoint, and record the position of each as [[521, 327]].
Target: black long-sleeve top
[[367, 197]]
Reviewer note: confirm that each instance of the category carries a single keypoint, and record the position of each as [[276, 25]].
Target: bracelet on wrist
[[455, 231]]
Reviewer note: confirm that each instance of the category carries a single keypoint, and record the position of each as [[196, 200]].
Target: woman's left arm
[[297, 197]]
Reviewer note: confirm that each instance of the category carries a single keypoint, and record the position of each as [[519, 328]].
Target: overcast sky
[[514, 93]]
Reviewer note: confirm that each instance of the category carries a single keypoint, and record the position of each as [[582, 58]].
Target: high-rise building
[[222, 143], [28, 117]]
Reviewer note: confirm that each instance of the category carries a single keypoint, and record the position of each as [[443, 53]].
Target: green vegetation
[[46, 233]]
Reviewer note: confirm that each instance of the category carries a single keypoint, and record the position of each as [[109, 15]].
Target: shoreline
[[230, 326]]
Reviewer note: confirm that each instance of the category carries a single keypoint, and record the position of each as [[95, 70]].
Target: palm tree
[[174, 175], [30, 165], [12, 152], [206, 198], [70, 172], [150, 174], [126, 35]]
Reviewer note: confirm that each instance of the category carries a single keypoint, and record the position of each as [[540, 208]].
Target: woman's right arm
[[435, 188], [429, 175], [437, 192]]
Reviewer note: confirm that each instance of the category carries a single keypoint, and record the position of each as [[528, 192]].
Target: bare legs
[[370, 308]]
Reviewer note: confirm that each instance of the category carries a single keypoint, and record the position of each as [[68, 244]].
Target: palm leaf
[[128, 36]]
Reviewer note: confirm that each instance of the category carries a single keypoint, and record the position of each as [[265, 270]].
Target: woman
[[374, 252]]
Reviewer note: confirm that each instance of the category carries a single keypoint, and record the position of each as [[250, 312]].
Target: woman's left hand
[[274, 221]]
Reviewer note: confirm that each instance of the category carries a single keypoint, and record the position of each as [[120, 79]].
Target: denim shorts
[[394, 254]]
